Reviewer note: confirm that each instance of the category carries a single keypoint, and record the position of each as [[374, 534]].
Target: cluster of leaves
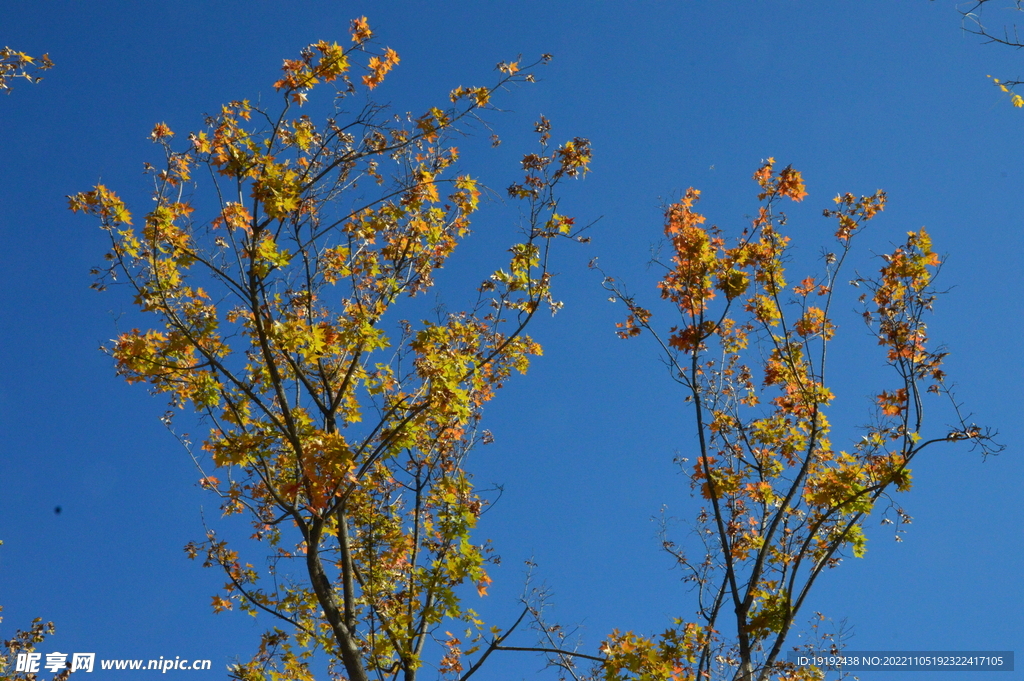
[[25, 642], [750, 350], [14, 64], [1007, 87], [344, 445]]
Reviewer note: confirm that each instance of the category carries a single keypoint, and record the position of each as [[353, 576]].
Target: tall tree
[[781, 502], [339, 422]]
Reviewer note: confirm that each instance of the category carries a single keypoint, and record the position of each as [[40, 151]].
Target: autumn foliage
[[22, 642], [337, 428], [15, 64], [279, 270], [782, 503]]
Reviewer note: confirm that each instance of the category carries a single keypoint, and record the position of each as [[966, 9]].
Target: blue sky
[[857, 96]]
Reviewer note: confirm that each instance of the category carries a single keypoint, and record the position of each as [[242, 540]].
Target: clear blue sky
[[858, 96]]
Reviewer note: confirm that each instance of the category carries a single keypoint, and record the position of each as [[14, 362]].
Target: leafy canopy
[[337, 429], [781, 502]]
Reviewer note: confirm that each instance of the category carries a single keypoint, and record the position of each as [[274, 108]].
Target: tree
[[782, 504], [14, 64], [344, 444]]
